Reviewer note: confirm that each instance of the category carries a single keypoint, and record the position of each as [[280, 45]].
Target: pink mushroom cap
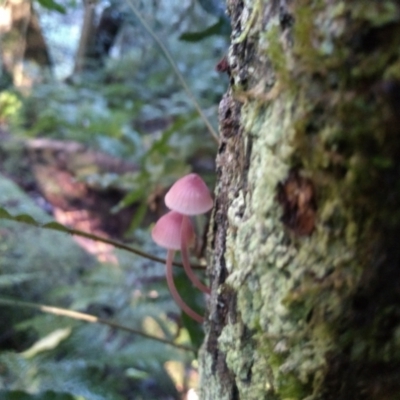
[[189, 195], [167, 231]]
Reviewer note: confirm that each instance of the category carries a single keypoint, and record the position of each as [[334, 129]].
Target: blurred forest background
[[95, 125]]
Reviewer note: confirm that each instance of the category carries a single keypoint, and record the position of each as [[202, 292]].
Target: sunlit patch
[[153, 294], [82, 220], [184, 377], [152, 327], [192, 395], [5, 19]]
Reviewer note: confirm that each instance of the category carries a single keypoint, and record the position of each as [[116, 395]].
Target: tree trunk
[[22, 42], [97, 38], [304, 240], [86, 41]]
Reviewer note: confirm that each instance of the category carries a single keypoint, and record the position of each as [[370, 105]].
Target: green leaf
[[129, 199], [4, 214], [55, 226], [48, 395], [222, 27], [52, 5], [138, 217], [26, 219], [136, 373], [14, 279], [192, 298], [49, 342]]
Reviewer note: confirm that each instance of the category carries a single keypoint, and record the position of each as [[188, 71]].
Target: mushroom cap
[[189, 195], [168, 229]]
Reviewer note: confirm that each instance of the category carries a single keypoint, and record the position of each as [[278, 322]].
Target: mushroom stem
[[185, 258], [176, 296]]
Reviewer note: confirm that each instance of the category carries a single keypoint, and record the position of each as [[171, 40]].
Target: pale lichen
[[297, 297]]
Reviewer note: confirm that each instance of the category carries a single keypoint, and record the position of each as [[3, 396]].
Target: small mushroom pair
[[174, 231]]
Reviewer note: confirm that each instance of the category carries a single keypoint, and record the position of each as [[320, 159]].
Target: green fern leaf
[[7, 280]]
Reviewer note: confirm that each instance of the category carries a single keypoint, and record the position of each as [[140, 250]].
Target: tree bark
[[22, 41], [304, 251], [97, 37], [86, 41]]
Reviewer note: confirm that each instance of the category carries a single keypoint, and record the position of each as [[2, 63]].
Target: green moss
[[290, 388], [304, 296], [392, 72], [276, 54], [348, 157], [286, 384], [375, 13], [304, 32]]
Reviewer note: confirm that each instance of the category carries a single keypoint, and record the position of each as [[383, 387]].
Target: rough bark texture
[[304, 240]]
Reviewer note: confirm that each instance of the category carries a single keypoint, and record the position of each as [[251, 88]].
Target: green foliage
[[84, 361], [221, 27], [185, 289], [135, 109], [52, 5], [7, 280], [118, 118], [10, 105], [48, 395]]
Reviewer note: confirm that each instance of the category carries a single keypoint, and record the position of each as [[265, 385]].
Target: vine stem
[[123, 246], [175, 68], [55, 226], [63, 312]]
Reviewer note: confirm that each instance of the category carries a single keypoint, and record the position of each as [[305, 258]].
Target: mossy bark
[[304, 240]]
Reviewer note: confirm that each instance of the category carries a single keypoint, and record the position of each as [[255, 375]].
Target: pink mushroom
[[189, 196], [167, 233]]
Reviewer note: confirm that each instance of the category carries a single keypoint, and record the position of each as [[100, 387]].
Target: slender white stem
[[175, 68], [185, 258], [88, 318], [176, 296]]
